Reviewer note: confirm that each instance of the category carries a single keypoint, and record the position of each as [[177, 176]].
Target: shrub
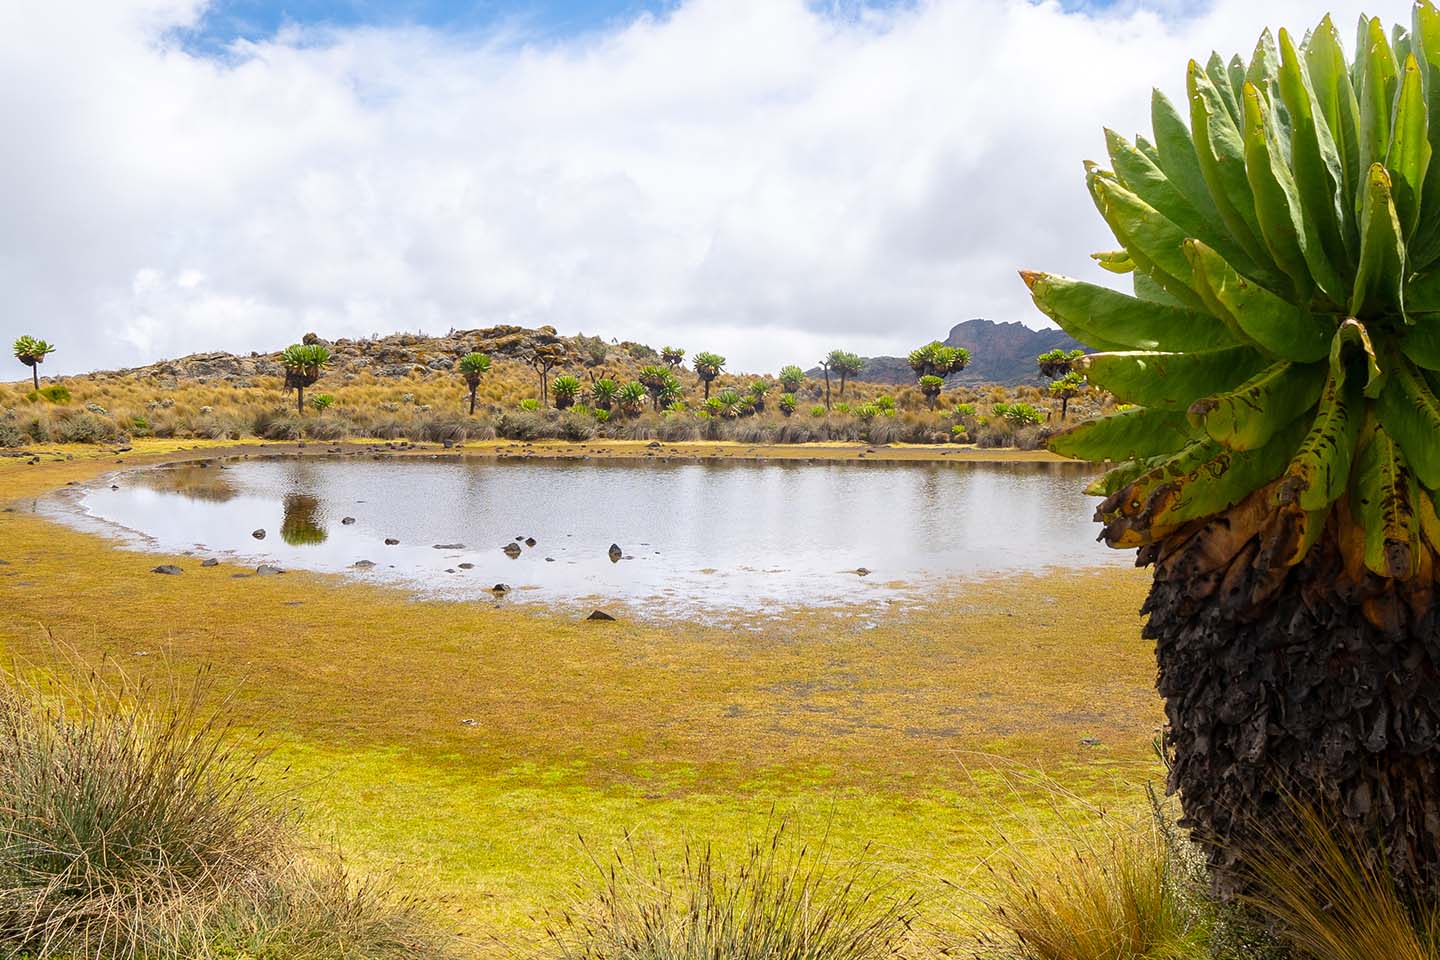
[[10, 435], [329, 428], [522, 425], [678, 430], [53, 393], [575, 427], [530, 404], [783, 901], [82, 427], [277, 425], [818, 410], [442, 427]]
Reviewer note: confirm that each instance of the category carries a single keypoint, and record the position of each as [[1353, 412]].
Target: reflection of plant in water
[[191, 480], [300, 528]]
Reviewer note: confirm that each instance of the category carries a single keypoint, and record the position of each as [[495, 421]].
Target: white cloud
[[749, 176]]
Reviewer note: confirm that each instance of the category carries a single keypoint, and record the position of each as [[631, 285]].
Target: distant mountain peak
[[1001, 353]]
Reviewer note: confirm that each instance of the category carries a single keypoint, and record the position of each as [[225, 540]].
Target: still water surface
[[693, 536]]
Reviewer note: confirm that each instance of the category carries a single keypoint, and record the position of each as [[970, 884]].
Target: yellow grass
[[892, 734]]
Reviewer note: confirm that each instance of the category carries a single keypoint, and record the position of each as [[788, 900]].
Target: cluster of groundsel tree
[[1280, 460]]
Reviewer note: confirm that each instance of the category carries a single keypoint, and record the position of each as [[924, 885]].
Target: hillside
[[399, 355], [1004, 353]]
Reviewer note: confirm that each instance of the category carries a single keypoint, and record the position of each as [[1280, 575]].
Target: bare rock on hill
[[601, 615], [394, 356], [168, 569]]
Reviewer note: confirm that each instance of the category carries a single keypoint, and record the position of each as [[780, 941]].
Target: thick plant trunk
[[1315, 686], [472, 401], [300, 399], [35, 375]]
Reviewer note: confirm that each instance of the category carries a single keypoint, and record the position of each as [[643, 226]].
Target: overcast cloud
[[760, 178]]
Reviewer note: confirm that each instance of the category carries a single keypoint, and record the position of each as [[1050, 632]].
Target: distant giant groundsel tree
[[846, 364], [304, 364], [472, 367], [792, 378], [707, 368], [32, 353]]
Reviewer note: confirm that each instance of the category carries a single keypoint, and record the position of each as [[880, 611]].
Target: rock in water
[[512, 550], [267, 570], [616, 553], [391, 541], [346, 521], [363, 564], [169, 569], [449, 546], [500, 588], [211, 562], [600, 615], [258, 534]]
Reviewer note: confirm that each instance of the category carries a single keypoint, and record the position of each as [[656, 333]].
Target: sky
[[765, 179]]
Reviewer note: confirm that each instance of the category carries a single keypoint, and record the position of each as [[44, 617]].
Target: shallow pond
[[692, 535]]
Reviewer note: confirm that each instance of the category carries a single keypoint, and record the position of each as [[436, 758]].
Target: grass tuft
[[784, 901], [1334, 903], [135, 824]]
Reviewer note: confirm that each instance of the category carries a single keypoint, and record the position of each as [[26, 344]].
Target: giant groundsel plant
[[1285, 332], [1278, 459]]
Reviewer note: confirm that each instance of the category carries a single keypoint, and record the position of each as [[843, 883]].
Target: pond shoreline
[[76, 463], [754, 571]]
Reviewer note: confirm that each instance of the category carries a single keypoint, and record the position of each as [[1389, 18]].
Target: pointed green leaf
[[1229, 477], [1178, 158], [1411, 415], [1279, 327], [1319, 174], [1382, 250], [1248, 416], [1408, 159], [1221, 151], [1264, 69], [1134, 434], [1293, 241], [1383, 504], [1154, 243], [1115, 261], [1423, 247], [1379, 79], [1421, 342], [1148, 182], [1320, 470], [1111, 318], [1170, 380], [1220, 78], [1147, 289], [1339, 107]]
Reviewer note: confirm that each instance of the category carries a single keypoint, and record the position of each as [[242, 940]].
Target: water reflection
[[301, 526], [693, 534]]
